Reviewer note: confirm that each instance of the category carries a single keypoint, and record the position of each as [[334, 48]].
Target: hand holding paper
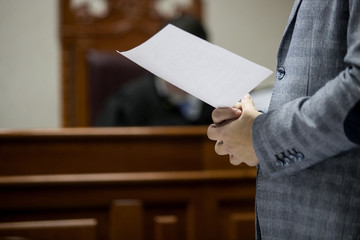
[[208, 72]]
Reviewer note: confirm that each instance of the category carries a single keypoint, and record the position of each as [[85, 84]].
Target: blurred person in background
[[151, 101]]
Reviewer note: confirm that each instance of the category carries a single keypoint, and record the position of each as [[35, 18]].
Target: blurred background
[[62, 178], [34, 74]]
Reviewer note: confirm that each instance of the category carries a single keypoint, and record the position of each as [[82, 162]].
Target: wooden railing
[[122, 183]]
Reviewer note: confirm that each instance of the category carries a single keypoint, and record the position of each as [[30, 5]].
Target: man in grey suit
[[307, 146]]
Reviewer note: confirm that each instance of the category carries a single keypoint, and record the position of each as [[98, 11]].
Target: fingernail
[[247, 96]]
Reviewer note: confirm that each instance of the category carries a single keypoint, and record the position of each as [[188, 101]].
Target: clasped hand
[[232, 131]]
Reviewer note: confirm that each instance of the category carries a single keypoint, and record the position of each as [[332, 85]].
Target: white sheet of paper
[[206, 71]]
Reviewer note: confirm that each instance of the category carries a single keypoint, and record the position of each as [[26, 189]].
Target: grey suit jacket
[[308, 183]]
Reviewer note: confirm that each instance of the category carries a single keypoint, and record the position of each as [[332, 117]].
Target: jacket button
[[299, 156], [279, 163], [280, 73], [286, 161], [292, 158]]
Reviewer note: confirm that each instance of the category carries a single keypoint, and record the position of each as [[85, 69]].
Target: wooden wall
[[122, 184]]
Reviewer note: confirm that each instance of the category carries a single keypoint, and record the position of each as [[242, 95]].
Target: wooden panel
[[186, 199], [79, 229], [168, 218], [46, 175], [240, 225], [166, 227], [237, 219], [126, 220], [69, 151]]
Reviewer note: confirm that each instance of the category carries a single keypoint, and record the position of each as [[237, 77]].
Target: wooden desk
[[122, 183]]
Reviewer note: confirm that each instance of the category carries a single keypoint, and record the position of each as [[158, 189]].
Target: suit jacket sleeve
[[312, 129]]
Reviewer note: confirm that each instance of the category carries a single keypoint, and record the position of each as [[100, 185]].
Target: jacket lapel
[[293, 14], [289, 28]]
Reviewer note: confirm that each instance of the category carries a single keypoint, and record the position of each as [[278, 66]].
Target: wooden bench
[[122, 183]]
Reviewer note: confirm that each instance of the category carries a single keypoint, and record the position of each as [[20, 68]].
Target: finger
[[234, 161], [237, 105], [219, 148], [222, 114], [247, 103], [212, 132]]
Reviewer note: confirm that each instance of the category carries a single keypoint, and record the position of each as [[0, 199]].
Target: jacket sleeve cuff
[[258, 140]]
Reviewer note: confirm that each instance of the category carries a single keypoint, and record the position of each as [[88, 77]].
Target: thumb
[[247, 103]]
